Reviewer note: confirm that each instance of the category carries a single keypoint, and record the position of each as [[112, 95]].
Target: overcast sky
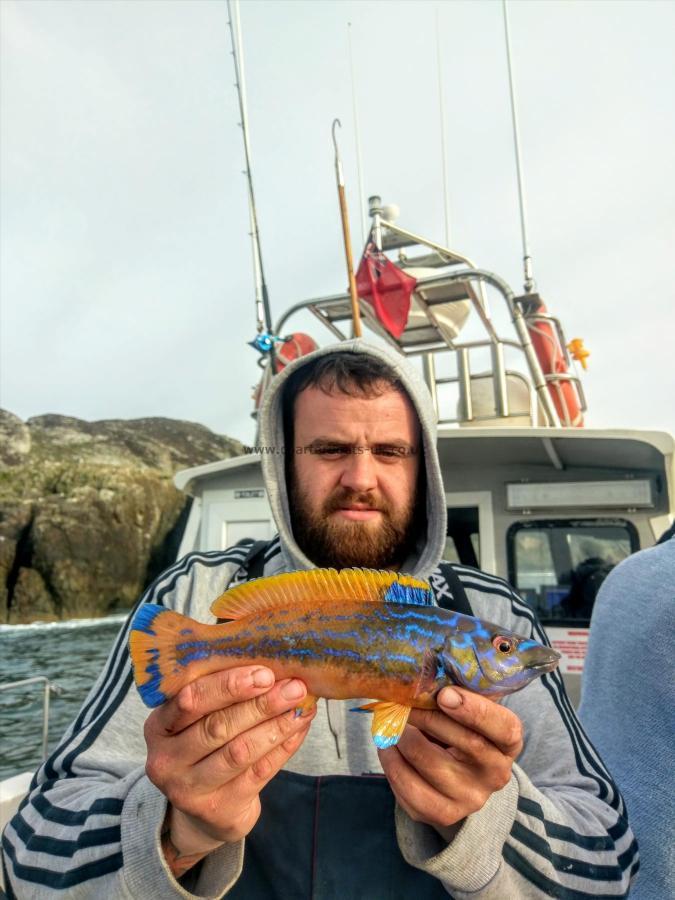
[[126, 278]]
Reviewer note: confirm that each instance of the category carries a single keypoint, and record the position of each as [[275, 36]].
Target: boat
[[532, 496]]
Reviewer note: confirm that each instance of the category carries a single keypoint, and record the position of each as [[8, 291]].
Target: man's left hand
[[448, 762]]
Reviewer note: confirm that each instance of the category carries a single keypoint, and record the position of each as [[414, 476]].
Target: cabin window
[[557, 566]]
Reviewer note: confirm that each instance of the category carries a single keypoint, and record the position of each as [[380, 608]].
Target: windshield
[[558, 566]]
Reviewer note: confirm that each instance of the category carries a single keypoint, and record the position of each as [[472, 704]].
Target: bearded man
[[231, 793]]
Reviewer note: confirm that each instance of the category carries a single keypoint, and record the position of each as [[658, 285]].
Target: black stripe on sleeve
[[5, 878], [61, 880], [566, 865], [93, 837], [569, 835], [545, 884], [100, 807], [273, 550], [630, 857]]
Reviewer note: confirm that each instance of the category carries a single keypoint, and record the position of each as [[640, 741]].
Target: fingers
[[228, 812], [456, 742], [232, 722], [496, 724], [208, 694], [435, 787], [448, 762], [255, 749], [465, 773], [216, 744], [420, 799], [254, 778]]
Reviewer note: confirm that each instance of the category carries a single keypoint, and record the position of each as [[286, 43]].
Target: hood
[[271, 434]]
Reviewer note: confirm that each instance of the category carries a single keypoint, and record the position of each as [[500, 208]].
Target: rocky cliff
[[89, 514]]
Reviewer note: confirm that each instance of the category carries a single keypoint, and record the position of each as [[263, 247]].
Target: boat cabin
[[532, 496]]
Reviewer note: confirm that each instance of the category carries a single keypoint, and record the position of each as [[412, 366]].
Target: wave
[[65, 624]]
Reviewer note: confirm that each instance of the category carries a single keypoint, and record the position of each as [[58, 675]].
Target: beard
[[332, 542]]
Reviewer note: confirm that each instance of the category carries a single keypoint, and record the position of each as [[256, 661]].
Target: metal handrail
[[50, 688]]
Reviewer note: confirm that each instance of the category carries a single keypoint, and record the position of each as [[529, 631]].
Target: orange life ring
[[552, 360], [300, 344]]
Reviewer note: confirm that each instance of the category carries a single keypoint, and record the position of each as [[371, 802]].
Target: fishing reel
[[264, 342]]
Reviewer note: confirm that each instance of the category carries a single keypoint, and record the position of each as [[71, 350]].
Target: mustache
[[344, 497]]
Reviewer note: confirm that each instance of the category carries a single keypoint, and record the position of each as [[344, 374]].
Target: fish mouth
[[547, 665]]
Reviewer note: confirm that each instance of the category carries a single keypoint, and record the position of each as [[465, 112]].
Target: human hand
[[211, 750], [448, 762]]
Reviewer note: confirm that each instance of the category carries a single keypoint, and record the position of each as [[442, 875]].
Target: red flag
[[388, 288]]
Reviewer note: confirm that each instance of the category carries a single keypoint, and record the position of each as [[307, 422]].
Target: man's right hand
[[211, 750]]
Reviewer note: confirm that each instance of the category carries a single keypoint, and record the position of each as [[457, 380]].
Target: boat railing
[[462, 282], [49, 689]]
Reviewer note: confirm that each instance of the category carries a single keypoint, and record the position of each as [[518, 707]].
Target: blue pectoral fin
[[389, 720]]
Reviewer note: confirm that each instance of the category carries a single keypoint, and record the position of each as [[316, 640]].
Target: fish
[[352, 633]]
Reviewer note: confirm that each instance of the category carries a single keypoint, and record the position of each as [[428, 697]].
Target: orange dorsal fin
[[316, 586]]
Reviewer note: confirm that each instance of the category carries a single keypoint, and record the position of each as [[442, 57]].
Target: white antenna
[[263, 315], [527, 259], [441, 113], [356, 136]]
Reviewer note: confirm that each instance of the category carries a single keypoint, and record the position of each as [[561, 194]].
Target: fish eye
[[503, 644]]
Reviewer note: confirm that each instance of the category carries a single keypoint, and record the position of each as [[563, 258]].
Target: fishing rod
[[344, 215], [527, 259], [265, 339], [441, 115], [356, 135]]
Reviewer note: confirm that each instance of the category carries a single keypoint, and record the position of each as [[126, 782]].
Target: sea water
[[70, 654]]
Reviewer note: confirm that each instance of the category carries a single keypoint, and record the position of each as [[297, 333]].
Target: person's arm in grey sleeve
[[92, 820], [557, 828]]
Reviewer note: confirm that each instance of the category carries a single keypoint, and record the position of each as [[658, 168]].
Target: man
[[629, 711], [470, 802]]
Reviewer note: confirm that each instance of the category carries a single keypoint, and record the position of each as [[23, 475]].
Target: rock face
[[89, 514]]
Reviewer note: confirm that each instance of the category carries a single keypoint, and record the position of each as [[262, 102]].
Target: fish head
[[488, 659]]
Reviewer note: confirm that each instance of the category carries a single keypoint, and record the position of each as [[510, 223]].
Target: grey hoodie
[[91, 823]]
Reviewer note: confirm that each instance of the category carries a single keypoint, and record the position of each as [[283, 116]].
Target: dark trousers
[[329, 838]]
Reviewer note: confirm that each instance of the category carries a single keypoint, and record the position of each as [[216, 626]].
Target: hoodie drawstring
[[334, 730]]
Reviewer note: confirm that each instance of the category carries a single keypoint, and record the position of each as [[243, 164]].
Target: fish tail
[[155, 634]]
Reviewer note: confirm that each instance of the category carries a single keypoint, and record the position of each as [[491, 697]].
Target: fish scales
[[364, 648], [348, 634]]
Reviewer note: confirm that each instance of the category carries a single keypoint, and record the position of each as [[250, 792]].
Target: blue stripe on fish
[[408, 614], [528, 644], [190, 651], [411, 629], [402, 657]]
